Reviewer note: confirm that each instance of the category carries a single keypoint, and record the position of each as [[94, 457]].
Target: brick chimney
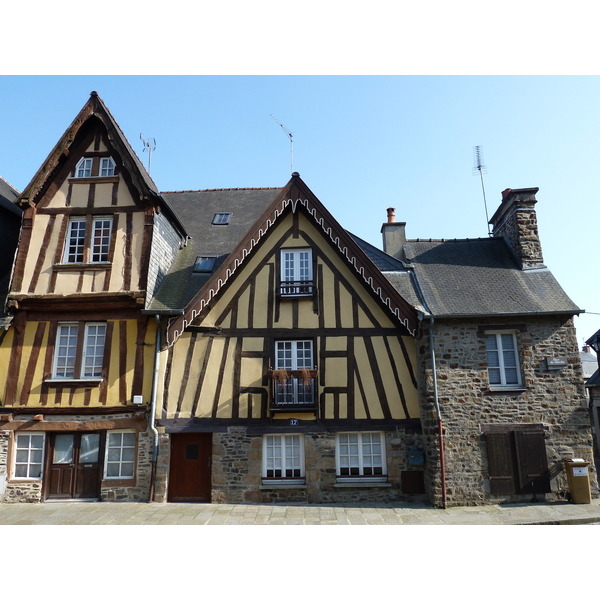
[[516, 221], [394, 236]]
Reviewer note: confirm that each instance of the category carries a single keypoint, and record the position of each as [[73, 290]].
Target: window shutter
[[500, 463], [532, 462]]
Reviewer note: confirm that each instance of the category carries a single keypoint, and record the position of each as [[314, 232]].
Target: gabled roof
[[95, 108], [480, 277], [297, 196]]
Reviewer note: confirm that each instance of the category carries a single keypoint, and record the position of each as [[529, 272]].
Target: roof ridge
[[219, 190]]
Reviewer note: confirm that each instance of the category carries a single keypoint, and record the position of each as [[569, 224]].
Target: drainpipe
[[153, 408], [440, 429]]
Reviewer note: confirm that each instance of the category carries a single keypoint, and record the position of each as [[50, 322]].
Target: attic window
[[84, 168], [107, 167], [221, 218], [204, 264]]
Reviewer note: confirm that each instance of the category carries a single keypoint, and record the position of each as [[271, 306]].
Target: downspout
[[440, 429], [153, 408]]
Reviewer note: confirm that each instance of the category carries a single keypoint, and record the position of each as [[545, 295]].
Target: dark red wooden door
[[74, 466], [190, 473]]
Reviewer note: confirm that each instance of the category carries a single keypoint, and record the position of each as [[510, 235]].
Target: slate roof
[[470, 277], [8, 196], [589, 364], [196, 210], [478, 277]]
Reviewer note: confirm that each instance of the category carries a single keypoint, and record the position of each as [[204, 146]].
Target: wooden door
[[74, 467], [190, 473]]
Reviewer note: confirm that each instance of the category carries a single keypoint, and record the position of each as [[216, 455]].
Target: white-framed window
[[104, 167], [75, 245], [29, 455], [120, 455], [502, 359], [107, 167], [294, 355], [296, 272], [84, 168], [79, 356], [283, 456], [361, 454], [221, 218], [101, 230]]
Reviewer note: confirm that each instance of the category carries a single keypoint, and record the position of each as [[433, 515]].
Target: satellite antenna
[[479, 166], [291, 142], [150, 145]]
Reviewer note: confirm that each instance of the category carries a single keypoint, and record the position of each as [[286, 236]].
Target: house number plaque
[[293, 421]]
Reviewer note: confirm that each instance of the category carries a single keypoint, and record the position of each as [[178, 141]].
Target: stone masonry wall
[[555, 399], [237, 465], [31, 490]]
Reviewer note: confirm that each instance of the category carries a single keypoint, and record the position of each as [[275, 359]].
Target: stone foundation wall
[[31, 490], [237, 465], [553, 398], [140, 492]]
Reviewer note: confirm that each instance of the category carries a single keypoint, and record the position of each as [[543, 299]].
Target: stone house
[[499, 371], [238, 345]]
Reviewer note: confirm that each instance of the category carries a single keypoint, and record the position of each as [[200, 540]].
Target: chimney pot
[[505, 193], [391, 214]]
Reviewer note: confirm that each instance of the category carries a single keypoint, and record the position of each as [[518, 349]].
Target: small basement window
[[221, 218], [204, 264]]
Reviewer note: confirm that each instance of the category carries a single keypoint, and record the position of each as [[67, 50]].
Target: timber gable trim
[[297, 196]]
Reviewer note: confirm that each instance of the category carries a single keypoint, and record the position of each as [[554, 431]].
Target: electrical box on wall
[[138, 399]]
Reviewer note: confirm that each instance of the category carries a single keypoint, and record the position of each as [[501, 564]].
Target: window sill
[[109, 179], [96, 266], [298, 484], [342, 483], [505, 390], [92, 382]]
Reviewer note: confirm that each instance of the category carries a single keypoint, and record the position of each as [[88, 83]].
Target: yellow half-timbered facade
[[291, 375], [77, 379]]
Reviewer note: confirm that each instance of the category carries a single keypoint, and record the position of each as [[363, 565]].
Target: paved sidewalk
[[127, 513]]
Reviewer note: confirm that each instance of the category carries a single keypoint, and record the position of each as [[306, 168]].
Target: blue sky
[[361, 143]]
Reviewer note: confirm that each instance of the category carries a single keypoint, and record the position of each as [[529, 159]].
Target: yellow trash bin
[[578, 478]]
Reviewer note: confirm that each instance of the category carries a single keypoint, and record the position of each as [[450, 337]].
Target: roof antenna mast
[[150, 145], [479, 166], [291, 142]]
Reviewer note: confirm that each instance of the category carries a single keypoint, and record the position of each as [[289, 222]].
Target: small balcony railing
[[289, 289], [294, 389]]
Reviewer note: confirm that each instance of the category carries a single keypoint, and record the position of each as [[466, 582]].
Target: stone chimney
[[516, 221], [394, 236]]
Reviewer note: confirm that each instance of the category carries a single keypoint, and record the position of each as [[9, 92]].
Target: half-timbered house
[[291, 372], [78, 378]]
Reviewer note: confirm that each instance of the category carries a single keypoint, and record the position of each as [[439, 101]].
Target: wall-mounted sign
[[294, 421], [557, 362]]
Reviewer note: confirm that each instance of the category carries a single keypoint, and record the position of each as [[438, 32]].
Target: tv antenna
[[150, 145], [291, 142], [479, 166]]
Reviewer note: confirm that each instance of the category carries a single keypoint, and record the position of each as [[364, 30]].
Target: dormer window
[[204, 264], [84, 168], [221, 218], [107, 167]]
